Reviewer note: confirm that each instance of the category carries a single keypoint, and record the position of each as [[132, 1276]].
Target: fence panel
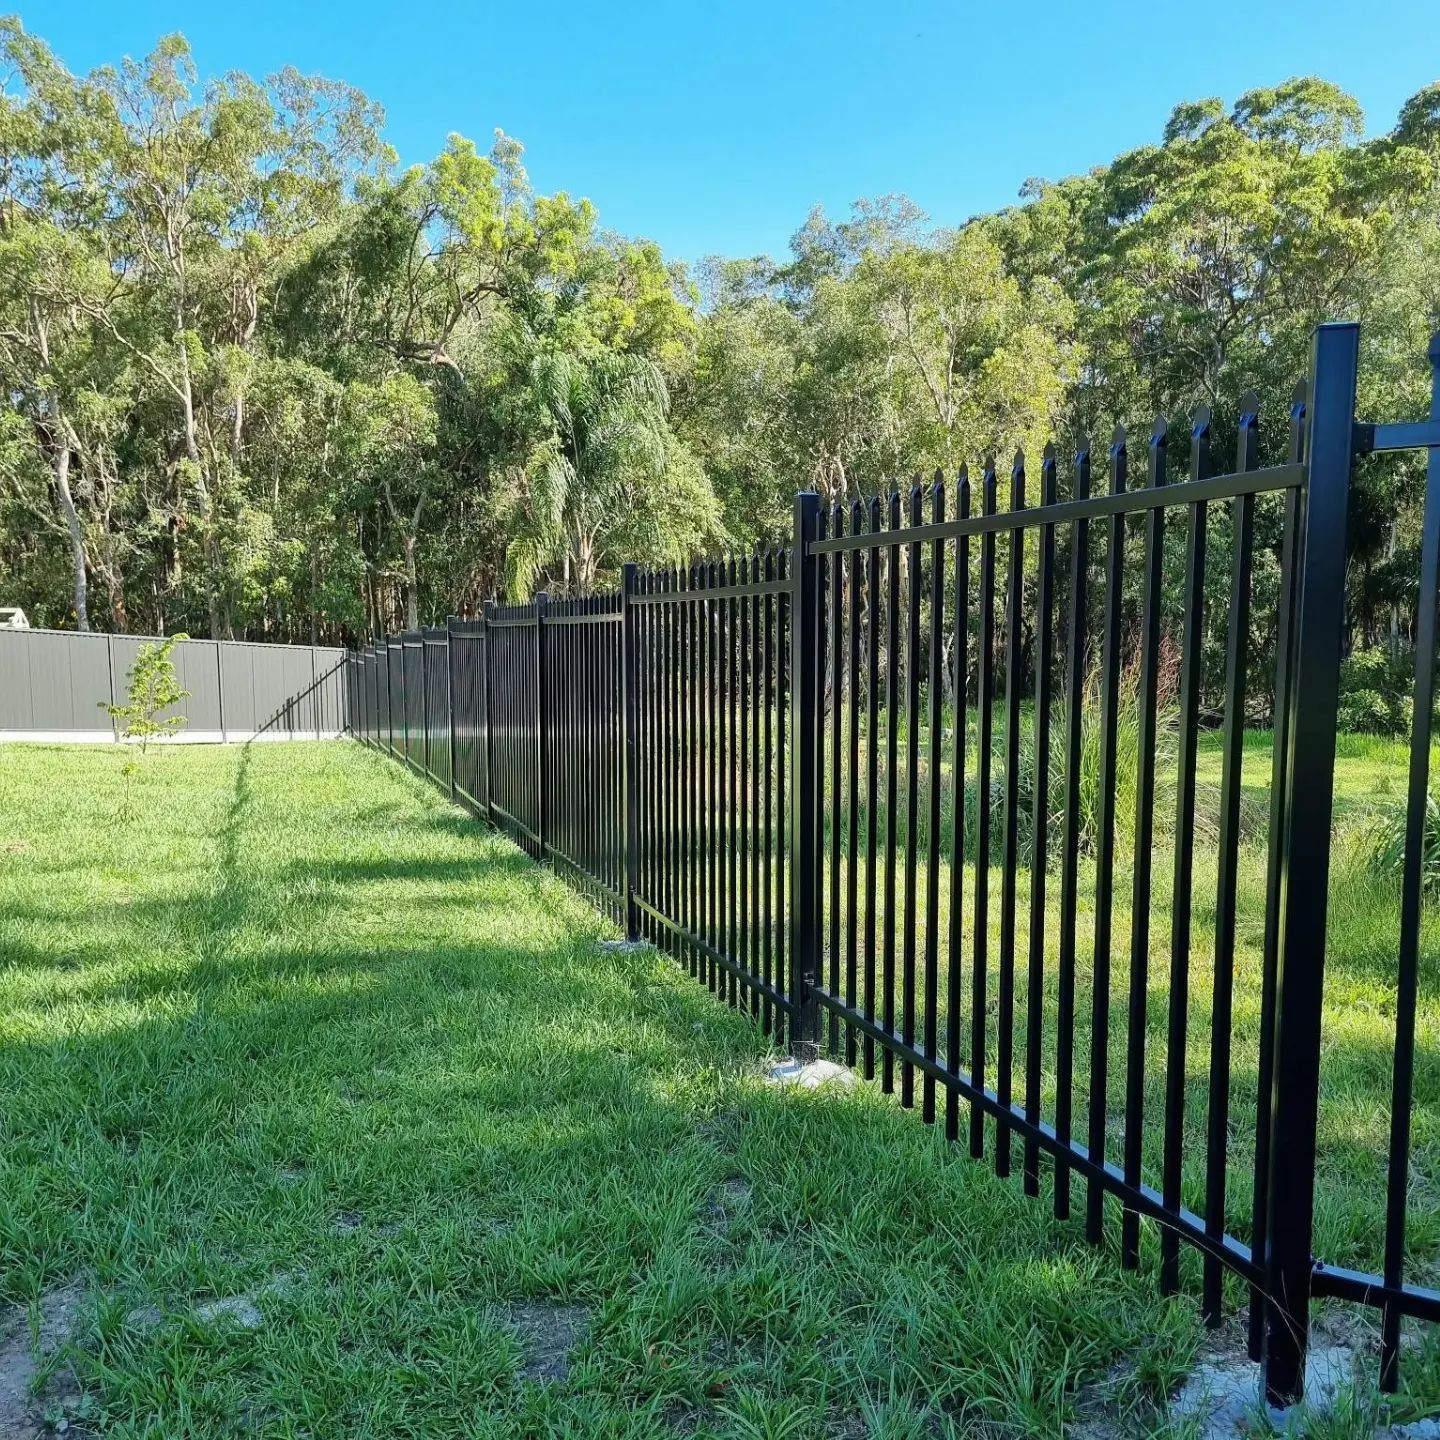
[[710, 761], [468, 643], [395, 710], [952, 969], [585, 806], [412, 663], [513, 638], [1407, 1233], [939, 788], [380, 689], [57, 684], [436, 657]]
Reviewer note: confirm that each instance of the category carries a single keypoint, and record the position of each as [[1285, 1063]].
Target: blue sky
[[715, 128]]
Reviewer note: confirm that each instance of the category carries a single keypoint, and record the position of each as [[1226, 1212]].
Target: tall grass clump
[[1090, 788], [1387, 846]]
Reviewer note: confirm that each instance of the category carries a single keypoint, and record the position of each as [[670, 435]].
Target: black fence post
[[487, 610], [804, 799], [630, 747], [1305, 872], [542, 727], [450, 695], [427, 767]]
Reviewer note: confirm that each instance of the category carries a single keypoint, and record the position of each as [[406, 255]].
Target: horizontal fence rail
[[924, 790]]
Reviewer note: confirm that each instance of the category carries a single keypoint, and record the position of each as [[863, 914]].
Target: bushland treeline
[[261, 381]]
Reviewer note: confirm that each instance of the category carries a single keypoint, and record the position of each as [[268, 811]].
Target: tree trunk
[[73, 531], [412, 600], [119, 615]]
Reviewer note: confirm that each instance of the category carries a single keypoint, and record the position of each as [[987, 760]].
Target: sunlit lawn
[[299, 1035]]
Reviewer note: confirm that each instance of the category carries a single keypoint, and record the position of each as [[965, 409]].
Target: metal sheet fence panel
[[58, 683], [52, 680], [238, 699]]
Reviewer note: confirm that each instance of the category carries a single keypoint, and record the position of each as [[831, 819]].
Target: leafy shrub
[[1376, 691], [154, 687]]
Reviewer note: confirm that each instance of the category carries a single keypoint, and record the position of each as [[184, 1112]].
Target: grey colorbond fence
[[758, 767], [55, 683]]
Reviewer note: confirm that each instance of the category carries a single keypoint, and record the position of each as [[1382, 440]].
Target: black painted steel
[[955, 960], [984, 748], [1010, 844], [1417, 809], [1305, 870], [804, 837], [1148, 641], [931, 998], [1236, 658], [1177, 1036], [914, 588], [1105, 833], [1040, 818], [665, 747]]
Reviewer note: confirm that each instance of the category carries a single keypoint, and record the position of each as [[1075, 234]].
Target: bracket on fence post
[[486, 610], [804, 776], [629, 747], [542, 726], [450, 695], [1305, 870]]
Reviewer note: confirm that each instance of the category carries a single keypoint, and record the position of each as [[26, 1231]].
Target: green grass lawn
[[301, 1038]]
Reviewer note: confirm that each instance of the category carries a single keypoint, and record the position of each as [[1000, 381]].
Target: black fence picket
[[753, 765]]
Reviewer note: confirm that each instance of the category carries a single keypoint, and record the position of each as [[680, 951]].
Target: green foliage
[[153, 689], [359, 396], [1091, 769], [1377, 691]]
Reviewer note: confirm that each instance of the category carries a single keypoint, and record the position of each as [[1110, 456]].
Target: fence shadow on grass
[[496, 1112]]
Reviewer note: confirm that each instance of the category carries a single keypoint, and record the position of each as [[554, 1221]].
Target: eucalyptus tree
[[54, 284]]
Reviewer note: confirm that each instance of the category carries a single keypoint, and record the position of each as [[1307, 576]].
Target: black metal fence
[[899, 791]]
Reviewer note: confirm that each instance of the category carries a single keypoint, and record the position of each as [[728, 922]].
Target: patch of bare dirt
[[549, 1333], [22, 1414], [242, 1310]]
